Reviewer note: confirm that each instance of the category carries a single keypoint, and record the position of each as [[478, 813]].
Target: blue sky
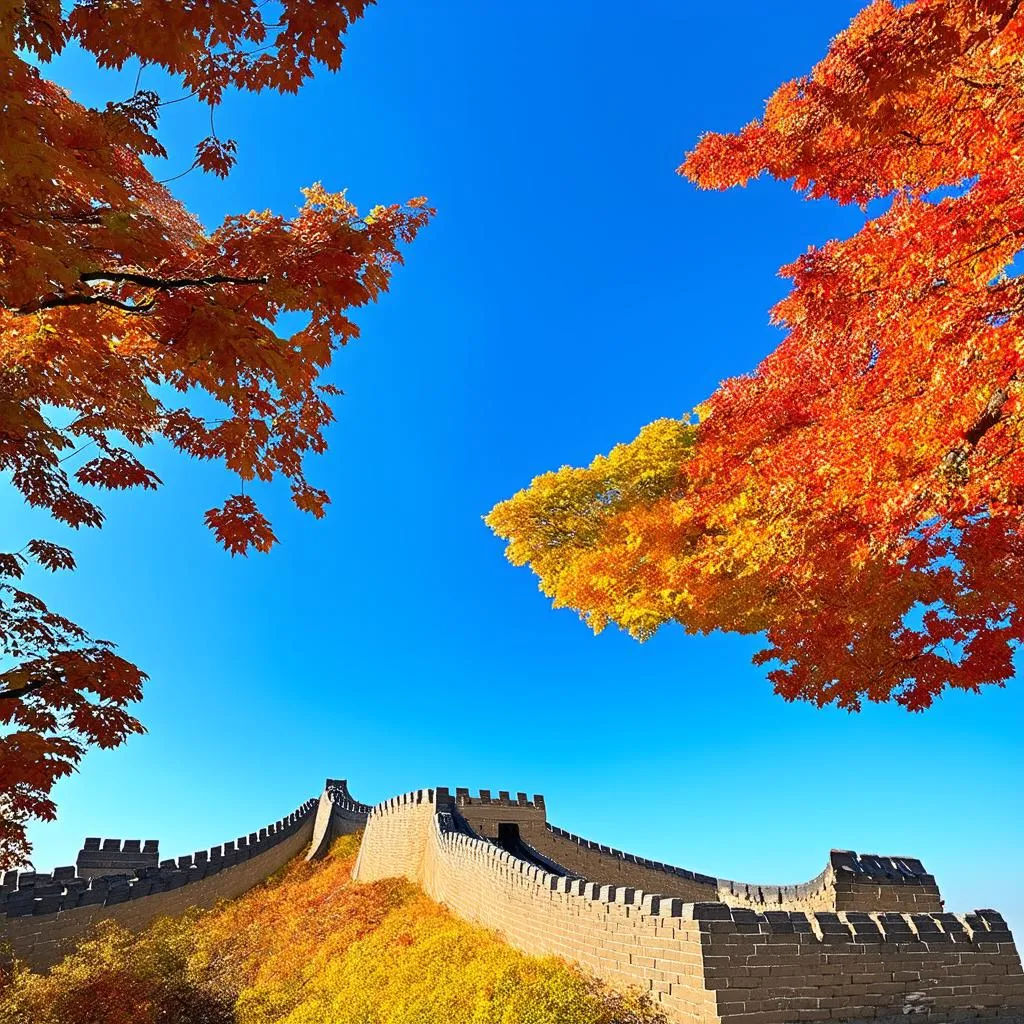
[[571, 289]]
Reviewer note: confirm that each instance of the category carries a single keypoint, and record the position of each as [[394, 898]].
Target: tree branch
[[989, 417], [87, 300], [160, 284], [21, 691], [167, 284], [954, 463]]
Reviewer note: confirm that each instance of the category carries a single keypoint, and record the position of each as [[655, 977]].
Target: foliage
[[311, 946], [859, 497], [123, 321]]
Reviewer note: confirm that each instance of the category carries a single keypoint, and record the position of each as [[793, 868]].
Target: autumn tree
[[122, 321], [858, 498]]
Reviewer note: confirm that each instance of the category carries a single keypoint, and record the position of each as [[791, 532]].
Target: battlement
[[798, 954], [413, 797], [115, 856], [337, 813], [28, 893], [865, 940], [337, 793], [41, 914], [463, 798], [885, 870], [850, 881]]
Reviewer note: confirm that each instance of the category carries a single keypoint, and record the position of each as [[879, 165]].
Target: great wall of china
[[867, 940]]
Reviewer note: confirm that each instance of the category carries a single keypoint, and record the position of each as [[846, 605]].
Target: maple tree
[[858, 499], [122, 321]]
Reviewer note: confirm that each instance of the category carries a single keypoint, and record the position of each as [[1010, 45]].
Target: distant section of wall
[[116, 857], [42, 916], [337, 814], [850, 881]]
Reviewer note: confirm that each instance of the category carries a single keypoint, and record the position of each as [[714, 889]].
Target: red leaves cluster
[[65, 692], [113, 298], [884, 433], [239, 525], [859, 498], [216, 156]]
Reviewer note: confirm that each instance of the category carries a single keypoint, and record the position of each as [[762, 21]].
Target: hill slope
[[310, 946]]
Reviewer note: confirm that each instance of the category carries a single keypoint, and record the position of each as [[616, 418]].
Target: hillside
[[311, 946]]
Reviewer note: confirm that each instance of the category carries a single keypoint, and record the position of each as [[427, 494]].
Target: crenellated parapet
[[850, 881], [116, 856], [41, 914], [337, 792], [486, 810], [338, 813], [705, 961], [29, 893], [503, 798]]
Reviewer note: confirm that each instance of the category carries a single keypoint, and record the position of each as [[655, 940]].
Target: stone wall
[[608, 865], [115, 856], [338, 813], [707, 962], [708, 951], [397, 836], [856, 967], [620, 934], [850, 881], [41, 920]]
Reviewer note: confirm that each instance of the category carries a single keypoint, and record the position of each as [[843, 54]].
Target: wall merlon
[[465, 798], [872, 866]]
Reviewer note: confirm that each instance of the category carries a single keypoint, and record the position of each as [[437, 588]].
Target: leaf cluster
[[857, 499], [124, 322]]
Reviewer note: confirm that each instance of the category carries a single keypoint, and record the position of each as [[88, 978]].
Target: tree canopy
[[123, 321], [858, 498]]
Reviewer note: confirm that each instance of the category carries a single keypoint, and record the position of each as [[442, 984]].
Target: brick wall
[[337, 814], [850, 881], [706, 962], [100, 857], [41, 921], [618, 933], [396, 837], [607, 865], [779, 967]]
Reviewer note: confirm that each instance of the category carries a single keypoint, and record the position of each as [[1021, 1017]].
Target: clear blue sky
[[571, 289]]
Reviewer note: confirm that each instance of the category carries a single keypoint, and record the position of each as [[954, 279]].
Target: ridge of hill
[[310, 945]]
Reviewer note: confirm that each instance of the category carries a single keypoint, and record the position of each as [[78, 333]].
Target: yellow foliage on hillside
[[310, 946]]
